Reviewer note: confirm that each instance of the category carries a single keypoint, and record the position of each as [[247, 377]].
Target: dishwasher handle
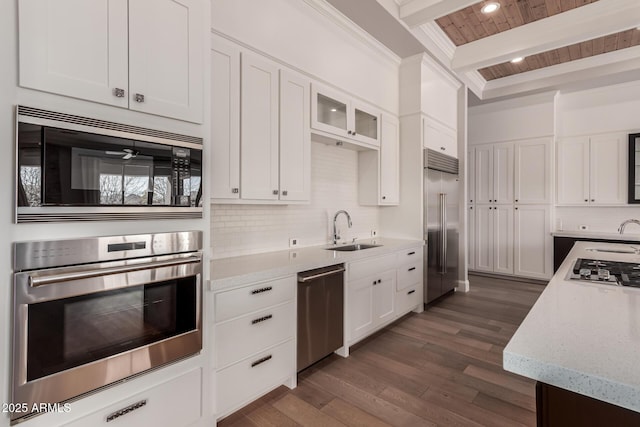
[[305, 279]]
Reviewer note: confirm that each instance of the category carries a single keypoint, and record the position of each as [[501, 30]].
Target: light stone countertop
[[235, 271], [631, 237], [581, 336]]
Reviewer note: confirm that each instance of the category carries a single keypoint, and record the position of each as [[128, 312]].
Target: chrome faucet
[[624, 224], [336, 237]]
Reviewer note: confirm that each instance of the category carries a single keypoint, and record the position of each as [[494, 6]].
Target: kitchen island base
[[557, 407]]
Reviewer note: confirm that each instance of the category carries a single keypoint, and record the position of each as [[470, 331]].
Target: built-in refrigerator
[[441, 224]]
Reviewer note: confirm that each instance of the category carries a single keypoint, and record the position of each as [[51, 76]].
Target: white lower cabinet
[[241, 383], [175, 403], [493, 239], [533, 255], [254, 341], [381, 289]]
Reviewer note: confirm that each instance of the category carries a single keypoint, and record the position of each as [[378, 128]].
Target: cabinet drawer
[[257, 296], [412, 255], [244, 336], [250, 378], [409, 274], [408, 298], [175, 403], [361, 269]]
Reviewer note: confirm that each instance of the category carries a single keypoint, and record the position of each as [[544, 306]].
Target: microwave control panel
[[181, 166]]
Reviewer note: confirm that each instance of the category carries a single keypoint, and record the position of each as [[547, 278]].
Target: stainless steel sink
[[354, 247]]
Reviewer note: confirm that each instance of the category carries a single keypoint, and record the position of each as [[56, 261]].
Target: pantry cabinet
[[493, 239], [592, 170], [532, 180], [336, 114], [494, 173], [533, 249], [145, 55], [261, 140]]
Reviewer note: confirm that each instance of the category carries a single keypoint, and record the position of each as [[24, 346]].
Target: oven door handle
[[67, 277]]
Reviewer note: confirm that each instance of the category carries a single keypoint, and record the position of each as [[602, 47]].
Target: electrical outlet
[[374, 233], [584, 227], [293, 242]]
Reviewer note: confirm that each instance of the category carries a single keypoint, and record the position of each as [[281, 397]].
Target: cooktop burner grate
[[612, 272]]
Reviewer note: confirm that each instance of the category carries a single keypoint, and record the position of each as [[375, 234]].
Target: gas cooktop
[[611, 272]]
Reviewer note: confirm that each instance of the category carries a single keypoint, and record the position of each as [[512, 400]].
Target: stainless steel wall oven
[[91, 312], [72, 168]]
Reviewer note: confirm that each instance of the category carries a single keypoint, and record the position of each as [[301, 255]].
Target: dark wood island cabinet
[[557, 407]]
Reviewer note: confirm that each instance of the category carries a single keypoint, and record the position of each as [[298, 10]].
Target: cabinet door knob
[[516, 200], [384, 197], [353, 133], [516, 208], [442, 148], [275, 192], [139, 97], [235, 190], [119, 93], [593, 200], [285, 192], [349, 132], [586, 200]]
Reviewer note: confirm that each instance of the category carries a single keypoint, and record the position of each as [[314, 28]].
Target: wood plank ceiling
[[470, 24]]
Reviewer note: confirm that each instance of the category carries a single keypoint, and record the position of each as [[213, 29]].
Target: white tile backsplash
[[599, 219], [246, 229]]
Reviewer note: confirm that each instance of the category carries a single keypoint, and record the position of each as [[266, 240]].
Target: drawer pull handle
[[412, 268], [261, 319], [260, 361], [411, 253], [124, 411], [411, 291], [261, 290]]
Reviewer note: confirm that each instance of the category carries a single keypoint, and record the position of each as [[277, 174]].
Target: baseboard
[[463, 286]]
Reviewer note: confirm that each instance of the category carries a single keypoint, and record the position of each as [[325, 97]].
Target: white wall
[[246, 229], [513, 119], [598, 219], [298, 33], [607, 109]]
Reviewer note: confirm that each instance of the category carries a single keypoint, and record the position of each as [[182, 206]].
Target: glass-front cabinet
[[336, 113], [634, 168]]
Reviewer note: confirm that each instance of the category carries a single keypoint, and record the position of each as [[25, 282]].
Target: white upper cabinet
[[146, 55], [295, 138], [165, 58], [259, 129], [573, 171], [439, 137], [225, 120], [338, 114], [533, 171], [592, 170], [84, 58], [608, 167], [390, 161], [503, 173]]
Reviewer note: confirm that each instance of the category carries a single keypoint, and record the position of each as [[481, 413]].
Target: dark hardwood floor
[[442, 367]]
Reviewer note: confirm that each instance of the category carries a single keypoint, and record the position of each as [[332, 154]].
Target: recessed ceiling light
[[516, 60], [333, 110], [490, 7]]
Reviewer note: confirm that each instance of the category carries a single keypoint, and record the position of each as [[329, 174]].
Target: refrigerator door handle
[[443, 233]]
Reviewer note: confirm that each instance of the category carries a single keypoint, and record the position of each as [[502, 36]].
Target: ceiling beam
[[418, 12], [608, 68], [577, 25]]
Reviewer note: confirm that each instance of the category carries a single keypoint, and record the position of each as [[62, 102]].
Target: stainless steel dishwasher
[[320, 314]]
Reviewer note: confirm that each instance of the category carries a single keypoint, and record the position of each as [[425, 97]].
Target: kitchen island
[[581, 342]]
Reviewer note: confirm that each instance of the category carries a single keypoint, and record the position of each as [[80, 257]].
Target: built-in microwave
[[73, 168]]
